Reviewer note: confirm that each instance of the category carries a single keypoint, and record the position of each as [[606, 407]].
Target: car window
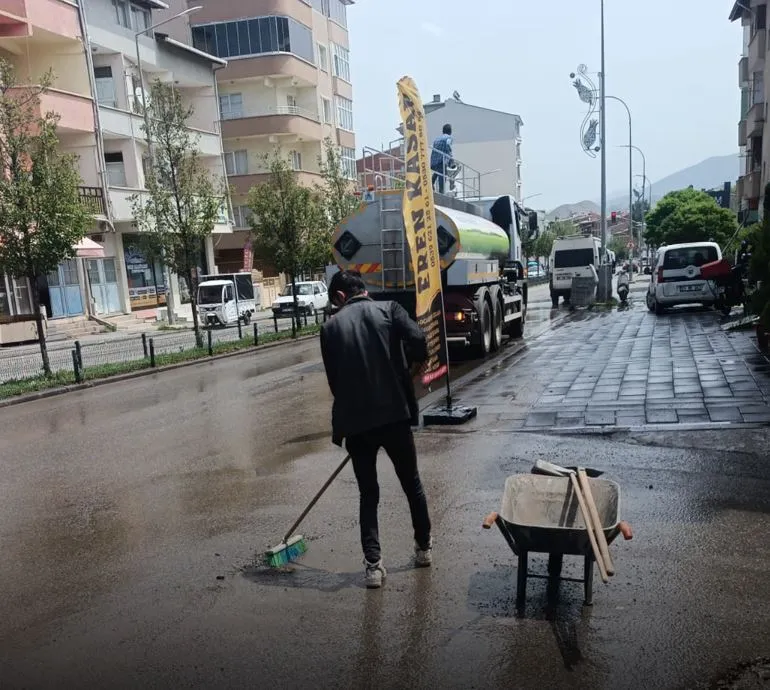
[[568, 258], [682, 257]]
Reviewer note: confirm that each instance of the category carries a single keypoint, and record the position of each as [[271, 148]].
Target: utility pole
[[603, 295]]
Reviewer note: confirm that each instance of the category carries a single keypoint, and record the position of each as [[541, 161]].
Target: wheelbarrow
[[540, 514]]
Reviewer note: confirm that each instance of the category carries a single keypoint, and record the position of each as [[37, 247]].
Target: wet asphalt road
[[130, 516]]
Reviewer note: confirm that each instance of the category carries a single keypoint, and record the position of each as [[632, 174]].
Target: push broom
[[292, 546]]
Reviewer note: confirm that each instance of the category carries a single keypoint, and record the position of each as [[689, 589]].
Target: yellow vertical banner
[[421, 232]]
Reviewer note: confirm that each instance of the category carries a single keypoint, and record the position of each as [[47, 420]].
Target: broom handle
[[600, 536], [315, 499]]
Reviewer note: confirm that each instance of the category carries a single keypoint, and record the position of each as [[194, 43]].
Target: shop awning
[[88, 249]]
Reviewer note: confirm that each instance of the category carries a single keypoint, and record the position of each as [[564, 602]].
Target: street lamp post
[[630, 160], [189, 10], [632, 148], [603, 296]]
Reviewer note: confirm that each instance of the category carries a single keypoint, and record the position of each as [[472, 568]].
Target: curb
[[129, 376]]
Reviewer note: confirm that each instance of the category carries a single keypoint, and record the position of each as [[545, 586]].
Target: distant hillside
[[711, 173], [568, 210]]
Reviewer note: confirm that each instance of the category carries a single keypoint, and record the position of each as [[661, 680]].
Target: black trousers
[[398, 442]]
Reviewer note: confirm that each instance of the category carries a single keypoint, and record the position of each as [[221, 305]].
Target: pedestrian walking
[[368, 348], [441, 158]]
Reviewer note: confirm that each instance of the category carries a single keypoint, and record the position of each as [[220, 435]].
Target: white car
[[572, 257], [676, 277], [312, 297]]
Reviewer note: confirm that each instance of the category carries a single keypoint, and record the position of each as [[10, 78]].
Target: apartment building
[[752, 79], [98, 94], [287, 85]]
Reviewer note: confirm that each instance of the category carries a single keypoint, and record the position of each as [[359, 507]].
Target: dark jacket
[[367, 348]]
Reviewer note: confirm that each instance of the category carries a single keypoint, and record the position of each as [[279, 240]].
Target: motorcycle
[[623, 294]]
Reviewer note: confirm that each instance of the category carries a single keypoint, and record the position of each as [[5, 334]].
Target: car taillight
[[661, 279]]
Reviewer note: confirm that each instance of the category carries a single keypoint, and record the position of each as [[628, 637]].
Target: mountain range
[[711, 173]]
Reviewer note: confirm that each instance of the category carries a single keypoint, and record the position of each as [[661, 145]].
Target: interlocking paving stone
[[725, 414], [599, 418], [662, 417]]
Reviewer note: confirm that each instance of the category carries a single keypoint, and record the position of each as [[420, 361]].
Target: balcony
[[755, 120], [76, 114], [743, 72], [742, 133], [24, 17], [286, 119], [342, 88], [271, 65], [92, 199], [757, 50], [241, 184], [122, 124]]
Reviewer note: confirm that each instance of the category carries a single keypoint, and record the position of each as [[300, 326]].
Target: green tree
[[641, 205], [688, 215], [619, 245], [183, 199], [544, 244], [336, 192], [289, 224], [563, 228], [41, 217]]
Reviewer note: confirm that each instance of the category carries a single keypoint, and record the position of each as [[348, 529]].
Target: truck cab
[[226, 299]]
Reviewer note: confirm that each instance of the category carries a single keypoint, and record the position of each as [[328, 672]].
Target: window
[[242, 216], [348, 162], [326, 111], [569, 258], [231, 106], [15, 296], [236, 162], [255, 37], [341, 62], [291, 102], [296, 160], [758, 19], [116, 171], [323, 57], [344, 113], [131, 16], [122, 12], [140, 18], [105, 86], [338, 12]]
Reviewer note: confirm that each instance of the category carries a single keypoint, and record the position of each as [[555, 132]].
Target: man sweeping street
[[368, 348]]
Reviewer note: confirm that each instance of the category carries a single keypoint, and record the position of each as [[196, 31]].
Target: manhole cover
[[754, 675]]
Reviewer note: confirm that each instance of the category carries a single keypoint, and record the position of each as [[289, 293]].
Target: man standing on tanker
[[367, 349]]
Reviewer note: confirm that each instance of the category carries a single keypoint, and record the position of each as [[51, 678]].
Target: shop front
[[146, 278]]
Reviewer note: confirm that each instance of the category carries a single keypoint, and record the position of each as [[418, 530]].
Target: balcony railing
[[92, 199], [273, 110]]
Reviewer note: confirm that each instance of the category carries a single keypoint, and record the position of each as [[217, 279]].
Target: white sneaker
[[423, 558], [375, 574]]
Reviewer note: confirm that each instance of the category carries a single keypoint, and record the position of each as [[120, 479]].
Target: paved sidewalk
[[630, 368]]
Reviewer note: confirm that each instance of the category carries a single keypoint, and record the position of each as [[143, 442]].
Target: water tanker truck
[[485, 290]]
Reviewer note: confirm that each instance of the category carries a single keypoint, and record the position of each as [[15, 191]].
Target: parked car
[[676, 277], [312, 297], [535, 270]]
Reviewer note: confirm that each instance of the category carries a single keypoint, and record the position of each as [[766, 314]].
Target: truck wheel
[[554, 299], [485, 329], [497, 326]]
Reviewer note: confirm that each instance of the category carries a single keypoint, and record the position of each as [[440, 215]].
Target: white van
[[571, 258]]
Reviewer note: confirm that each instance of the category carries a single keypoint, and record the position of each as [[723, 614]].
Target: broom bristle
[[285, 553]]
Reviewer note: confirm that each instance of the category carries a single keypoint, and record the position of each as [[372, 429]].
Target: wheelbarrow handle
[[625, 530], [489, 520]]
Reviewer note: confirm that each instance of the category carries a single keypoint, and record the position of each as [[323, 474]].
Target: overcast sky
[[673, 61]]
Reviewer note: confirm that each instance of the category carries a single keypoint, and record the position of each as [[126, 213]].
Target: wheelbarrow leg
[[521, 579], [588, 574], [555, 561]]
